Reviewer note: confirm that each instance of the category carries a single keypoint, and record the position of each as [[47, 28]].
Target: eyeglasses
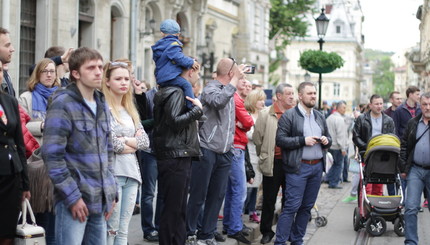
[[47, 71], [234, 62], [118, 63]]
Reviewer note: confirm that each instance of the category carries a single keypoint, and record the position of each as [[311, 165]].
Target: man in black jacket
[[369, 124], [415, 165], [303, 137], [176, 142]]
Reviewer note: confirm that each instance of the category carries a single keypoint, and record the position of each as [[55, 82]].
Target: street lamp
[[322, 24]]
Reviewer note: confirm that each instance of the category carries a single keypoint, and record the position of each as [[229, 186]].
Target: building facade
[[210, 30]]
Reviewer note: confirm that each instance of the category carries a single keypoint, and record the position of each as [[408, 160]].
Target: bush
[[317, 59]]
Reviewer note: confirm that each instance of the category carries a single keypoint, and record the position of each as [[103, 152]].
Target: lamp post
[[322, 24]]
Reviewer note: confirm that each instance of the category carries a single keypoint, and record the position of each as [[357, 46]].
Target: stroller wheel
[[376, 226], [356, 220], [325, 220], [399, 227], [319, 221]]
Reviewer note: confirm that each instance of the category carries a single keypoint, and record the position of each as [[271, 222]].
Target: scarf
[[40, 97]]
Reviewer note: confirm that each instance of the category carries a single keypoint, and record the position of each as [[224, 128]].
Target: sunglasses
[[234, 62], [117, 63]]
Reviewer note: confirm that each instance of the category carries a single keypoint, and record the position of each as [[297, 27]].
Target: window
[[27, 44], [336, 89], [86, 19], [338, 29]]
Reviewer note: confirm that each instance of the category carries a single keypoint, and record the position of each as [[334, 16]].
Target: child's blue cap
[[170, 26]]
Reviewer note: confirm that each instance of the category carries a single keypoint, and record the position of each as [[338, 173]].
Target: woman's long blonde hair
[[35, 76], [252, 98], [127, 100]]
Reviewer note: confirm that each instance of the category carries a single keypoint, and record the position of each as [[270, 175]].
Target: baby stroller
[[381, 167]]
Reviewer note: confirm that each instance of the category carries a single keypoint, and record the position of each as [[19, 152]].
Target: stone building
[[343, 37], [211, 30]]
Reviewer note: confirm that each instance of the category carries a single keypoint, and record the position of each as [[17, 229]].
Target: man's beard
[[310, 104]]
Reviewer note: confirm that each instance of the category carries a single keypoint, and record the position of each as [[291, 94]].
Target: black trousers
[[270, 192], [173, 182]]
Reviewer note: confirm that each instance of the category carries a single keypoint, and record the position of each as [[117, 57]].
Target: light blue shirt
[[92, 105], [311, 128], [422, 153], [376, 125]]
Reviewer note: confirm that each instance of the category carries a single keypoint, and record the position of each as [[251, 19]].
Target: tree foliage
[[383, 78]]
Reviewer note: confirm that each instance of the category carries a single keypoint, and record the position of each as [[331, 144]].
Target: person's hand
[[196, 66], [137, 86], [65, 57], [324, 140], [403, 175], [26, 194], [108, 214], [343, 153], [79, 210], [139, 132], [195, 102], [311, 140], [251, 181]]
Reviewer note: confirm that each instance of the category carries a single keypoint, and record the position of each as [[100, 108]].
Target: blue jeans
[[69, 231], [120, 219], [418, 179], [209, 178], [236, 194], [251, 200], [47, 221], [333, 176], [301, 191], [149, 172], [345, 167]]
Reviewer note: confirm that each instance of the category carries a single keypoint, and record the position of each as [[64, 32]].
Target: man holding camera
[[303, 137]]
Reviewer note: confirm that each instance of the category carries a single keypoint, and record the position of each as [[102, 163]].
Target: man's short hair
[[393, 93], [280, 88], [79, 57], [374, 96], [54, 51], [425, 95], [411, 90], [303, 85], [339, 103], [3, 31]]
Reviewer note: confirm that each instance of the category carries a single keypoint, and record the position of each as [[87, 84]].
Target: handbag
[[354, 166], [29, 234]]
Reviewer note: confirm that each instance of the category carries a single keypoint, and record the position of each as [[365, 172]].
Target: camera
[[249, 70], [318, 140]]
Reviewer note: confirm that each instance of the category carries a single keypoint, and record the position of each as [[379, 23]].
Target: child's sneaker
[[254, 218], [350, 199], [425, 204]]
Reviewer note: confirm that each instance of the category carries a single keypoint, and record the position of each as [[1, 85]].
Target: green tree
[[287, 20], [383, 78]]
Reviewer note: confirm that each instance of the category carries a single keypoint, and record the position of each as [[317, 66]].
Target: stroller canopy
[[389, 142]]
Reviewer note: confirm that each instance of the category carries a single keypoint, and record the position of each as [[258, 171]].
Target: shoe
[[267, 238], [239, 236], [246, 230], [136, 209], [254, 218], [350, 199], [425, 204], [335, 187], [191, 240], [207, 242], [346, 181], [219, 237], [151, 237], [421, 210]]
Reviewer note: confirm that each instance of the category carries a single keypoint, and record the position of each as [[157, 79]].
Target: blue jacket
[[169, 59], [401, 117], [77, 150]]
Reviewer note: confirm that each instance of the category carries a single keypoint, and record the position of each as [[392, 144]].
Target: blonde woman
[[254, 103], [128, 136], [42, 83]]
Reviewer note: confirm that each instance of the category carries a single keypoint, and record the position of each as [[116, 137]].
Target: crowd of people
[[108, 140]]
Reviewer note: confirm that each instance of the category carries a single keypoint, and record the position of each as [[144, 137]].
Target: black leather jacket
[[407, 147], [175, 126], [363, 129], [289, 137]]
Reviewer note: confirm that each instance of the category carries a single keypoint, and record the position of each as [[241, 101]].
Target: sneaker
[[239, 236], [219, 237], [254, 218], [191, 240], [220, 217], [350, 199], [136, 209], [425, 204], [207, 242], [151, 237], [246, 230], [420, 210]]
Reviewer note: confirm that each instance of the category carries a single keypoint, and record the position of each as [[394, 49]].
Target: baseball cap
[[170, 26]]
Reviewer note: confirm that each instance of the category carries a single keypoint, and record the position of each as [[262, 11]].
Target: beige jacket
[[34, 125], [264, 139]]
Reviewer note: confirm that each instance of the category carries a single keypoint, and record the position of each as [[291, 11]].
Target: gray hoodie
[[217, 132]]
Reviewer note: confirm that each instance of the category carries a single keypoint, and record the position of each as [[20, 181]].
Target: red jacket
[[29, 140], [244, 120]]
